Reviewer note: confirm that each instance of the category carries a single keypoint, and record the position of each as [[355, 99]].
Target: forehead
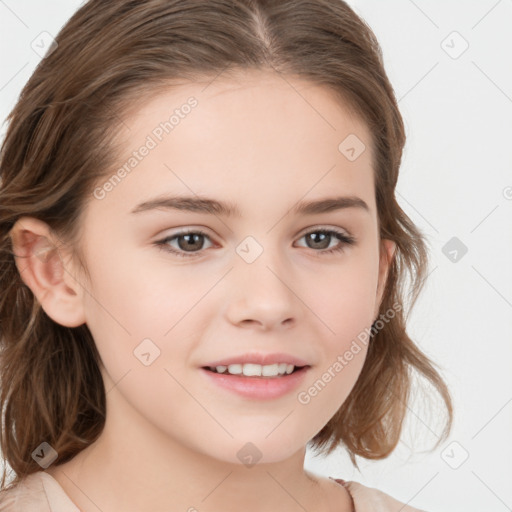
[[243, 134], [249, 92]]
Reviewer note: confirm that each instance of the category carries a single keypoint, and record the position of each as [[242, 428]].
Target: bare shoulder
[[28, 495], [367, 499], [8, 500], [338, 497]]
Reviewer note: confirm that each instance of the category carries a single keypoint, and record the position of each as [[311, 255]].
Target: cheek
[[137, 316], [343, 298], [142, 327], [343, 347], [131, 296], [343, 302]]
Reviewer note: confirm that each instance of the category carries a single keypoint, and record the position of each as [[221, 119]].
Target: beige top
[[40, 492]]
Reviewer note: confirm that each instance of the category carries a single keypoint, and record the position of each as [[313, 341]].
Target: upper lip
[[262, 359]]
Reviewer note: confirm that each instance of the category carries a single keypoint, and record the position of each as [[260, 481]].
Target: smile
[[249, 381]]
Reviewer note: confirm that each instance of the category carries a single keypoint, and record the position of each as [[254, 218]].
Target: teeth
[[256, 370]]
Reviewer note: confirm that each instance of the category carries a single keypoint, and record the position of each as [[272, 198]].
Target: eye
[[322, 238], [190, 243]]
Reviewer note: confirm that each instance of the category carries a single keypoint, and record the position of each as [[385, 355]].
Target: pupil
[[323, 238], [191, 240]]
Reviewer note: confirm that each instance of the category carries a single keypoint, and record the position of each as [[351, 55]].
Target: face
[[175, 289]]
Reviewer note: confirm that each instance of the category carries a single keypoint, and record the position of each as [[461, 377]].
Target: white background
[[456, 181]]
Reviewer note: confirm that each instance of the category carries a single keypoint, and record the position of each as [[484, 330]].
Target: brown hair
[[59, 143]]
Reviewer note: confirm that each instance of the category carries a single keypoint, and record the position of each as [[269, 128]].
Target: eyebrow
[[210, 206]]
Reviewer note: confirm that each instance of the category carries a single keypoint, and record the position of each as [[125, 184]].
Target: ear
[[39, 257], [387, 252]]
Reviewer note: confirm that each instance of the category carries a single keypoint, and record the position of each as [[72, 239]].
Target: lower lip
[[262, 388]]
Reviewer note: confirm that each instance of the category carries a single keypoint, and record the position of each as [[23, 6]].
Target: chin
[[255, 449]]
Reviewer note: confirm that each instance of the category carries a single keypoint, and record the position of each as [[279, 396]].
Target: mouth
[[251, 381], [257, 371]]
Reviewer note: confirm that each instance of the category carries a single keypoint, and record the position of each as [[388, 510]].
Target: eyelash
[[342, 237]]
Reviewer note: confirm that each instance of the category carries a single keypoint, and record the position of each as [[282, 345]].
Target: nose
[[261, 294]]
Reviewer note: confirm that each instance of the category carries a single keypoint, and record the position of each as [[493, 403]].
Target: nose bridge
[[261, 289]]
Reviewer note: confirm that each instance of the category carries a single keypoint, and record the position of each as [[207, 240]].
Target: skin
[[171, 437]]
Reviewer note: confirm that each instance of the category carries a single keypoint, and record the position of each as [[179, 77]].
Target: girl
[[203, 261]]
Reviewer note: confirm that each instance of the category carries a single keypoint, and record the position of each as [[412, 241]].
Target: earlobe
[[39, 258]]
